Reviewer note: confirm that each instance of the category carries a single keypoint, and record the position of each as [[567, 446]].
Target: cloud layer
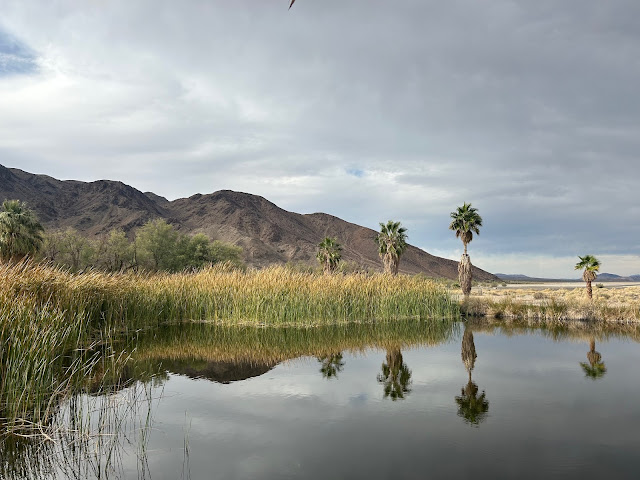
[[368, 110]]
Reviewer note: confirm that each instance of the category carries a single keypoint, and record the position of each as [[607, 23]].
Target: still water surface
[[484, 402]]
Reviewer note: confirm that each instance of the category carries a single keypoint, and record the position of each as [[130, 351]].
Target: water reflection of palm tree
[[331, 365], [471, 406], [395, 376], [595, 368]]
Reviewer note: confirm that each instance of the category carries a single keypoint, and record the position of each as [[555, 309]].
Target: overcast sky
[[365, 109]]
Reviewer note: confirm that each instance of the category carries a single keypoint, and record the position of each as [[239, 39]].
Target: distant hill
[[602, 277], [267, 233], [506, 277], [611, 277]]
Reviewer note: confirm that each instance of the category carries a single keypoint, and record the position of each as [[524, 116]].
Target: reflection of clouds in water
[[358, 400], [247, 429]]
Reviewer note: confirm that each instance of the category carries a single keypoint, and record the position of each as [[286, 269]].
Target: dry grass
[[619, 304], [271, 296]]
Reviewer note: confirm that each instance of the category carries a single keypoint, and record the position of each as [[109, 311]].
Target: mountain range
[[602, 277], [267, 233]]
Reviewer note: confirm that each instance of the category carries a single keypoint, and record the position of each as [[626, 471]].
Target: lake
[[399, 400]]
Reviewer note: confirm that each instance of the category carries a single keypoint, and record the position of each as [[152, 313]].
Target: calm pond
[[400, 400]]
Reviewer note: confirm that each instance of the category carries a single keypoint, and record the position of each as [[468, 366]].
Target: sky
[[369, 110]]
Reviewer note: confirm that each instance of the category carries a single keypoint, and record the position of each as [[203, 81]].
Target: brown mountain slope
[[267, 233], [90, 207]]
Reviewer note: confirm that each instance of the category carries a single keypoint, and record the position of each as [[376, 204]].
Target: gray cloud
[[528, 110]]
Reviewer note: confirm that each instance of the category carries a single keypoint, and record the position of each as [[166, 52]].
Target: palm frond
[[465, 220]]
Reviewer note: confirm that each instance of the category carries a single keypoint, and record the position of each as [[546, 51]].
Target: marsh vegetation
[[609, 304]]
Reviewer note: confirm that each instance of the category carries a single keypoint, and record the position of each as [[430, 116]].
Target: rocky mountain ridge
[[267, 233]]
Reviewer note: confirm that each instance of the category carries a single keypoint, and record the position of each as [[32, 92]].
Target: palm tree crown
[[465, 221], [20, 231], [329, 254], [392, 242], [591, 265]]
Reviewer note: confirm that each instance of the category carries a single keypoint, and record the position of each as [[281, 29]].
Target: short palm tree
[[591, 265], [465, 221], [329, 254], [392, 242], [20, 231]]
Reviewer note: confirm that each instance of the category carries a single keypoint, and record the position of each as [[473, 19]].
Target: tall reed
[[270, 296]]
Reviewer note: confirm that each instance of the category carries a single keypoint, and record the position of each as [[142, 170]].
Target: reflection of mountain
[[112, 377], [220, 372]]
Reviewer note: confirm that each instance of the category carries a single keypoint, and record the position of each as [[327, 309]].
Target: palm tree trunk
[[465, 274], [589, 290], [389, 264]]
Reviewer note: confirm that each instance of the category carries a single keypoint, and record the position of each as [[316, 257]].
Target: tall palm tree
[[331, 365], [591, 266], [392, 242], [595, 368], [471, 406], [395, 376], [465, 221], [20, 231], [329, 254]]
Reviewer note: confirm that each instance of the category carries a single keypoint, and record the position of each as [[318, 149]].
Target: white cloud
[[532, 120]]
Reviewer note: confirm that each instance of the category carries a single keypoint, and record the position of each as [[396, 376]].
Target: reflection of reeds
[[203, 342], [87, 439], [557, 331]]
